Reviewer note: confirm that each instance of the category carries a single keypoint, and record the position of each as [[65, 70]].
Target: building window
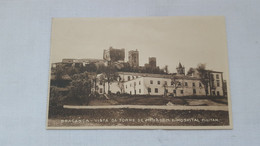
[[174, 91], [166, 90], [128, 78], [172, 83], [139, 82], [213, 92], [200, 85], [149, 90], [156, 90], [165, 83], [218, 84], [139, 90], [181, 91], [158, 82], [151, 81], [193, 84], [100, 90], [194, 91], [100, 83], [186, 84], [217, 76], [133, 77]]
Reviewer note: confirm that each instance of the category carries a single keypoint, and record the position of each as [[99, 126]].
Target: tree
[[165, 86], [81, 88], [59, 72], [126, 67], [110, 74], [94, 79], [204, 76], [100, 68], [191, 71], [59, 77], [91, 67], [176, 83], [103, 80], [72, 70], [166, 70], [121, 84]]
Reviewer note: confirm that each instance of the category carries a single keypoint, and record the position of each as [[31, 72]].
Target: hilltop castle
[[143, 83]]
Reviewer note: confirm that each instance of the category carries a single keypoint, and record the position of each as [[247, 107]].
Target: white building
[[159, 84], [216, 86], [155, 84]]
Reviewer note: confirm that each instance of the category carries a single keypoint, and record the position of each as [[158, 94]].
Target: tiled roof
[[212, 71], [159, 75]]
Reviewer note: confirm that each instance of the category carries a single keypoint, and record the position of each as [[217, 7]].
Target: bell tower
[[180, 69]]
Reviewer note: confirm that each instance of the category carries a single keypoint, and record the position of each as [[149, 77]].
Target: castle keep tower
[[113, 54], [133, 58], [152, 62]]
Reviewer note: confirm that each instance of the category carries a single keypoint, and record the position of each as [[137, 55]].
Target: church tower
[[180, 69]]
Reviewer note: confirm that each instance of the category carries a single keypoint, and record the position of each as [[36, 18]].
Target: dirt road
[[171, 107]]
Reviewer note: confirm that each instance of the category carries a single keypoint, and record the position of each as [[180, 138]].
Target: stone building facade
[[216, 83], [156, 84], [159, 84], [113, 54], [133, 58], [152, 62]]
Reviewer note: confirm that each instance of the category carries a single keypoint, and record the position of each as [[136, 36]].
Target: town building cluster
[[136, 83]]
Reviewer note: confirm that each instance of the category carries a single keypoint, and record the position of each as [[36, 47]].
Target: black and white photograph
[[139, 73]]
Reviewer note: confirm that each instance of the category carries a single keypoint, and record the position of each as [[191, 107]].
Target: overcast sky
[[190, 40]]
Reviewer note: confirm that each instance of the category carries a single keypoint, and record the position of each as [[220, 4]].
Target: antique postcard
[[139, 73]]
